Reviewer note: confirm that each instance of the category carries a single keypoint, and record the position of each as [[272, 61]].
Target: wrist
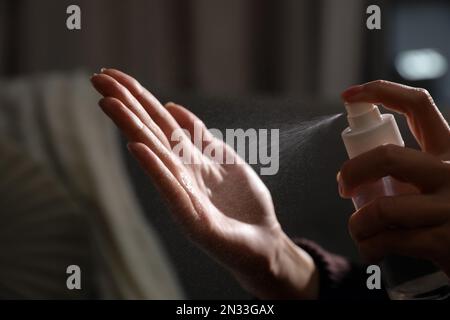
[[296, 271], [288, 272]]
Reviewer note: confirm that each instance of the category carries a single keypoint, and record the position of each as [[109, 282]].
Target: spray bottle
[[404, 278]]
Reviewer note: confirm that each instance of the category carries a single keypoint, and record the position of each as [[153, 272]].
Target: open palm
[[223, 207]]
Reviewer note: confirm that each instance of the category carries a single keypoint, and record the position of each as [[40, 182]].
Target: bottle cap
[[362, 115]]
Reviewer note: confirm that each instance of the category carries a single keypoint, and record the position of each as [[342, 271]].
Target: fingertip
[[340, 185], [142, 154], [105, 101], [117, 74], [133, 147], [94, 78], [110, 72], [138, 149], [170, 104], [109, 104], [126, 80], [338, 176], [342, 181], [351, 93], [104, 104], [344, 193], [100, 81]]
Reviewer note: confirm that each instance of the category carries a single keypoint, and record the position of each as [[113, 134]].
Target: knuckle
[[378, 85], [138, 130], [124, 93], [138, 89], [422, 96], [379, 82], [116, 86], [135, 84], [422, 93]]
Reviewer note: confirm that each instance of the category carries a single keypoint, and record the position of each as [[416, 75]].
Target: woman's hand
[[415, 224], [225, 208]]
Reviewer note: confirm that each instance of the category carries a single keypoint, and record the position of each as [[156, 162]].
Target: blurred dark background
[[288, 48], [242, 63]]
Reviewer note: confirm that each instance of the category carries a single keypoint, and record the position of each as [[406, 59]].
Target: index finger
[[154, 108]]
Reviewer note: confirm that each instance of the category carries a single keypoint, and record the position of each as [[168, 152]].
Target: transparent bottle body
[[405, 278]]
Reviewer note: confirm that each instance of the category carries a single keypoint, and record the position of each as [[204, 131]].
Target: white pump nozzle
[[362, 115], [357, 108]]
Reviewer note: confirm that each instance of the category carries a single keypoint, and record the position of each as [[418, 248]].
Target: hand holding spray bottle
[[405, 278]]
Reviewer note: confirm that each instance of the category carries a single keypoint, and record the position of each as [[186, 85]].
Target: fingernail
[[130, 147], [95, 74], [351, 92], [102, 103], [102, 70], [133, 148]]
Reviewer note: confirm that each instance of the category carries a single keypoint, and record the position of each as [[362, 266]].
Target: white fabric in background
[[56, 120]]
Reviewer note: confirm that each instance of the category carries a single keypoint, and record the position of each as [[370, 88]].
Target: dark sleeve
[[340, 278]]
